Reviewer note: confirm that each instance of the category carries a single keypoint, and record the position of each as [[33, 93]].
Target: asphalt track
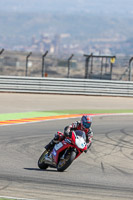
[[15, 103], [105, 172]]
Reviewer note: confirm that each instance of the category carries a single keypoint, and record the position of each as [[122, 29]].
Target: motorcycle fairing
[[58, 148]]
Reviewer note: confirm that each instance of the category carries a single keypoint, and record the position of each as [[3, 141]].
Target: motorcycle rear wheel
[[41, 161], [66, 162]]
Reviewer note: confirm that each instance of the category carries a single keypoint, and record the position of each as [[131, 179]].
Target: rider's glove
[[67, 131]]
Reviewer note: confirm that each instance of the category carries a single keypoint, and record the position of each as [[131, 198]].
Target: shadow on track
[[37, 169]]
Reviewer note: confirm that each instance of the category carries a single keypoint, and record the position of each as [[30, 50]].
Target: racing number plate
[[58, 146]]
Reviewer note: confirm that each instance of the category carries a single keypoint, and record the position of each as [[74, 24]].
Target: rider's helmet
[[86, 121]]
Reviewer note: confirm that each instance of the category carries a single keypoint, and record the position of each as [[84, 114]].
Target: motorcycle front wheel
[[41, 161], [66, 162]]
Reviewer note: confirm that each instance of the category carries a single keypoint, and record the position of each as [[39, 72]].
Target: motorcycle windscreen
[[81, 134]]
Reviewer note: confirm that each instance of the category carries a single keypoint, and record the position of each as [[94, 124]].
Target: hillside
[[84, 21]]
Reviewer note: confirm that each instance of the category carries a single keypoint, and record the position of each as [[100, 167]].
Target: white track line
[[6, 197]]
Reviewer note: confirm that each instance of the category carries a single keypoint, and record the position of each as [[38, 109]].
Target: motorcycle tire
[[65, 163], [41, 161]]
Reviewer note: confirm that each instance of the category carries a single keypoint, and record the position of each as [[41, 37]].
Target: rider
[[83, 125]]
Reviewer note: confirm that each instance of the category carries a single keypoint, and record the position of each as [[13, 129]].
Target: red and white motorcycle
[[64, 152]]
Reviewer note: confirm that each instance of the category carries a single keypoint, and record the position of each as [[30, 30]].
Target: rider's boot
[[50, 146]]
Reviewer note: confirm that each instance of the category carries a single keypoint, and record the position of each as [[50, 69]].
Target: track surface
[[105, 172], [15, 102]]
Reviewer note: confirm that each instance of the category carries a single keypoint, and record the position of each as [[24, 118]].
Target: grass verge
[[7, 199], [15, 116]]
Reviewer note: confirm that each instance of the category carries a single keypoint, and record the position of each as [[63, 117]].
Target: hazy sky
[[106, 6]]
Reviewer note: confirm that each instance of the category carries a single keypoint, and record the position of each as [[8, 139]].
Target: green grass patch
[[14, 116], [7, 199], [93, 111]]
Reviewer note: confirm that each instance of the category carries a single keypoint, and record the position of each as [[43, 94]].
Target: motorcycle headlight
[[80, 142]]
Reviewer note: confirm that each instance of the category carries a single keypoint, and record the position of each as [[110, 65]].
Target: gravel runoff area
[[15, 102]]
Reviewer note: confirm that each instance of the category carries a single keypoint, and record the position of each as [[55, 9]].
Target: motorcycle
[[65, 152]]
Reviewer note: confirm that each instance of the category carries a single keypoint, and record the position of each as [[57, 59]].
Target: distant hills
[[84, 20]]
